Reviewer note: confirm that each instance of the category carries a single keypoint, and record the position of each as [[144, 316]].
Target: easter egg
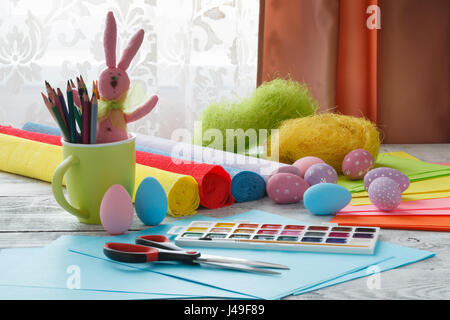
[[304, 163], [357, 163], [320, 173], [288, 169], [385, 193], [326, 198], [397, 176], [286, 188], [151, 202], [116, 210]]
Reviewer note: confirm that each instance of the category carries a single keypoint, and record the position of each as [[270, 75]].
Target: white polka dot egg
[[397, 176], [357, 163], [320, 173], [385, 194], [286, 188]]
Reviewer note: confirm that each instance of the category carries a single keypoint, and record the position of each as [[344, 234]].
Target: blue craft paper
[[405, 256], [245, 185], [307, 269], [47, 268]]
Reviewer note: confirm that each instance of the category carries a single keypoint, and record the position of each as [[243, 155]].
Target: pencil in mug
[[72, 111], [94, 114], [54, 99], [65, 113], [60, 122], [86, 115]]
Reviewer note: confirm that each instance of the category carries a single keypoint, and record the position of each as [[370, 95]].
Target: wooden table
[[30, 217]]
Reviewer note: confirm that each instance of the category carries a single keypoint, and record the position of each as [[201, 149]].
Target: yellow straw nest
[[328, 136]]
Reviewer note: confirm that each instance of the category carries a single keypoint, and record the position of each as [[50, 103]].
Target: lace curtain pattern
[[194, 52]]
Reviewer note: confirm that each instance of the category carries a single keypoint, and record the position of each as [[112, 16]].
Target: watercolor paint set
[[330, 238]]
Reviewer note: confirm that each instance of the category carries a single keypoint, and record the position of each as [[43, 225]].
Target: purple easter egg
[[287, 169], [385, 194], [286, 188], [357, 163], [304, 163], [320, 173], [397, 176]]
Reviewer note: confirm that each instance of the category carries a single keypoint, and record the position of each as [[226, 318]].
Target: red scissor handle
[[133, 253]]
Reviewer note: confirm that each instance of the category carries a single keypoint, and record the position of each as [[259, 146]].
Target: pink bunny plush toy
[[113, 87]]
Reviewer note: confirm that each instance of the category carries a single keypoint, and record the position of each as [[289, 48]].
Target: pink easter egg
[[286, 188], [287, 169], [116, 210], [385, 194], [357, 163], [304, 163], [320, 173]]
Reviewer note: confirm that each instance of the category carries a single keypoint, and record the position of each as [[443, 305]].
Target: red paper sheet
[[213, 181]]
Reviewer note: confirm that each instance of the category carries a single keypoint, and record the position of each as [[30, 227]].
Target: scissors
[[159, 248]]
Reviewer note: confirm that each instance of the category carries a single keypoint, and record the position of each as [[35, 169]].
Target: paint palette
[[269, 236]]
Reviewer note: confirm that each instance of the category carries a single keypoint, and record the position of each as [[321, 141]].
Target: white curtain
[[194, 52]]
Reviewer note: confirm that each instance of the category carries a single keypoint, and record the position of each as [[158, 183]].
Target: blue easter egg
[[326, 198], [151, 202]]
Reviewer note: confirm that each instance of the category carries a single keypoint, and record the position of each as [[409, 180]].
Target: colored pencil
[[65, 113], [60, 123], [71, 107], [86, 117], [48, 105], [94, 114]]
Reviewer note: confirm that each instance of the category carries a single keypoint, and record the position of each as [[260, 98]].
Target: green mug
[[89, 171]]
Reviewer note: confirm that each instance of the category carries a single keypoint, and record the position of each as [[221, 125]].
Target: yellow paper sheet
[[418, 190], [39, 160]]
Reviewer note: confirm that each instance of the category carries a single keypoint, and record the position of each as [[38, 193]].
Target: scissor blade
[[239, 267], [209, 258]]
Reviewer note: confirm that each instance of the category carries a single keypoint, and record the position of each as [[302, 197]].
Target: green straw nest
[[270, 104]]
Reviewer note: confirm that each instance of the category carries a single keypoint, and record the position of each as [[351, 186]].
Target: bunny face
[[113, 82]]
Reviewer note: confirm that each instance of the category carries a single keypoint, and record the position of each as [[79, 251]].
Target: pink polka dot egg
[[286, 188], [385, 194], [357, 163]]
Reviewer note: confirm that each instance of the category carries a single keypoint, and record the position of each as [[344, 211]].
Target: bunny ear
[[131, 50], [110, 40]]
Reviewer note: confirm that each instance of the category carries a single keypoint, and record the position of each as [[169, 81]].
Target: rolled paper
[[197, 153], [213, 181], [39, 159], [189, 151], [245, 185]]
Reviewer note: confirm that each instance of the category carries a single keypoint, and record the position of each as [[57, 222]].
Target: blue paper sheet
[[245, 185], [48, 268], [307, 269]]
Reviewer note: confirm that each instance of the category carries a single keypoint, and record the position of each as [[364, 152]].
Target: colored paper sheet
[[10, 258], [408, 222], [424, 189], [54, 267], [306, 268], [214, 183], [39, 160], [440, 206], [416, 170]]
